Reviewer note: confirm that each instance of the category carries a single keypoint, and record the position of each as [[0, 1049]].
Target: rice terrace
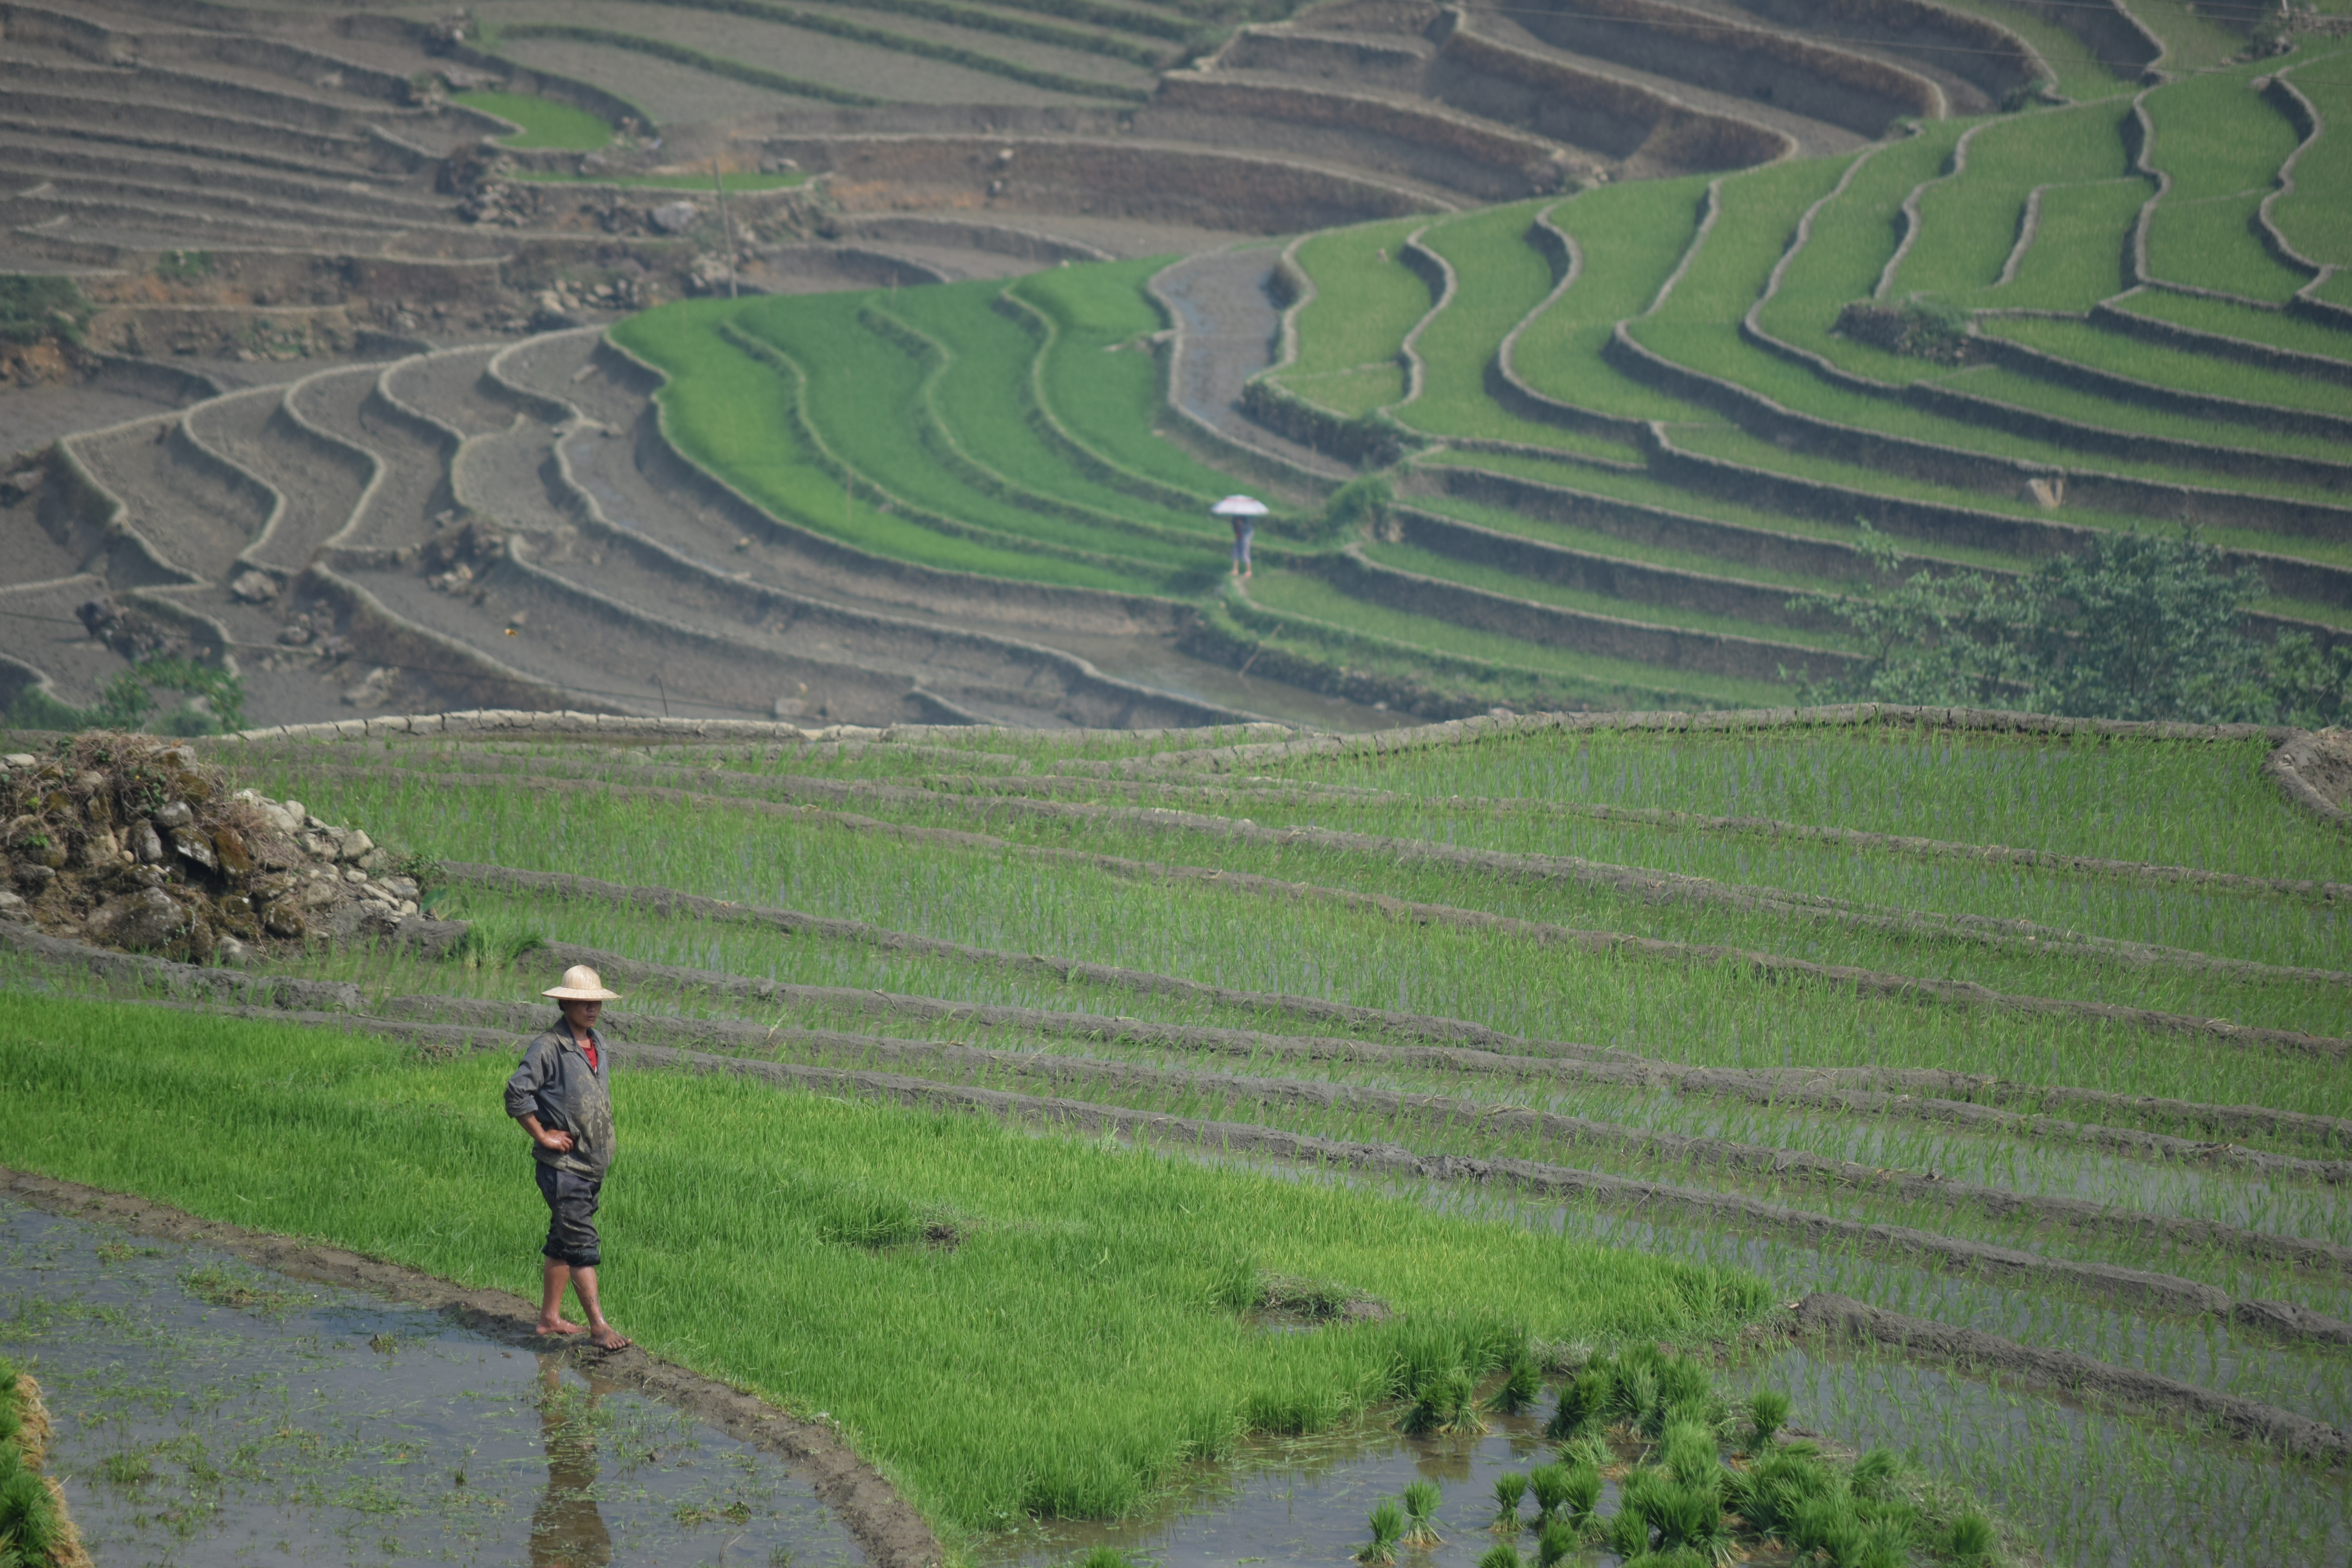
[[1150, 783]]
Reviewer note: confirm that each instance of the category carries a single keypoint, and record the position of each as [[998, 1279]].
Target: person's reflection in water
[[566, 1530]]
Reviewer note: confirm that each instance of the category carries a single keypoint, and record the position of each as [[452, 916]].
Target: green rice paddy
[[1076, 1354]]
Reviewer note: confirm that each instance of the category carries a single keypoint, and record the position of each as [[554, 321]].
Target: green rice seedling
[[1499, 278], [544, 122], [1094, 378], [1628, 1530], [1631, 234], [1557, 1541], [496, 942], [1874, 1473], [1688, 1518], [1770, 1494], [1827, 1524], [1970, 1540], [1549, 1484], [1446, 1404], [2082, 343], [1238, 1287], [1388, 1525], [1520, 1386], [28, 1516], [1689, 1454], [1584, 1402], [1421, 1500], [1104, 1556], [2230, 318], [1501, 1555], [1768, 1412], [1579, 1492], [1510, 1487], [1588, 1451], [1366, 298]]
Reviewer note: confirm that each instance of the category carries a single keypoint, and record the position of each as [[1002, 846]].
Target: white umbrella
[[1239, 506]]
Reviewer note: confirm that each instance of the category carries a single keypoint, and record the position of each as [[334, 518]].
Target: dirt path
[[892, 1533], [1226, 324]]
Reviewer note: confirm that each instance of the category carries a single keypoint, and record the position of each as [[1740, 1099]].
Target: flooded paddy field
[[209, 1412]]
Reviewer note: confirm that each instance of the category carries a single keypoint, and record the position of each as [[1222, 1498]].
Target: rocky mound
[[131, 842]]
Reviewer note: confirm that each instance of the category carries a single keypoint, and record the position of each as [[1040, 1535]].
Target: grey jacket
[[556, 1084]]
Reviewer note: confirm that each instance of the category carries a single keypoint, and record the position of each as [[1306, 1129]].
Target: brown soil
[[893, 1534], [1924, 1339]]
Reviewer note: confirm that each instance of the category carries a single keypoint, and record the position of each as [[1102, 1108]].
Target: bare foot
[[609, 1338], [557, 1326]]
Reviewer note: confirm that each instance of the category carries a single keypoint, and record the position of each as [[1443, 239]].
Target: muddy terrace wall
[[1860, 94], [1982, 53], [1671, 647], [1170, 185], [1455, 153], [1484, 77], [1617, 576], [1653, 131]]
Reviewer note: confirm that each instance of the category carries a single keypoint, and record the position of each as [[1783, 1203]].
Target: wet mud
[[294, 1310], [1303, 1502]]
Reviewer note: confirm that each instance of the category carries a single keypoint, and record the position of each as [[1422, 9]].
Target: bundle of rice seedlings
[[1421, 1500], [1768, 1412], [1970, 1540], [1580, 1492], [1521, 1383], [1558, 1538], [1388, 1529], [1501, 1555], [1550, 1485], [1447, 1403], [1509, 1488]]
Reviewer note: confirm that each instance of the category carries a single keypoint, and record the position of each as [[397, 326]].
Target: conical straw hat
[[580, 983]]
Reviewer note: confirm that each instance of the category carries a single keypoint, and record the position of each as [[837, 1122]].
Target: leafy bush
[[33, 308], [2136, 626], [213, 701], [1918, 329]]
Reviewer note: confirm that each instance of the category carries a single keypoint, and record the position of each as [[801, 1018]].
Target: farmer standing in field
[[562, 1095]]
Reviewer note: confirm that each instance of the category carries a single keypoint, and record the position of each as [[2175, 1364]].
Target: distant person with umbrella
[[1243, 512]]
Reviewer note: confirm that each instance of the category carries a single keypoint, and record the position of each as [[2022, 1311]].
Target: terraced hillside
[[2012, 1047], [303, 199], [1573, 285], [1630, 422]]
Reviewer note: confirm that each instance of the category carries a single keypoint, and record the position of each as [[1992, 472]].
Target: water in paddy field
[[1304, 1503], [210, 1412]]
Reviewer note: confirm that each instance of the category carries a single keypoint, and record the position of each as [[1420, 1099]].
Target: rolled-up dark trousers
[[571, 1214]]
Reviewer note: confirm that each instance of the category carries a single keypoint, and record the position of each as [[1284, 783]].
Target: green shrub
[[33, 308]]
